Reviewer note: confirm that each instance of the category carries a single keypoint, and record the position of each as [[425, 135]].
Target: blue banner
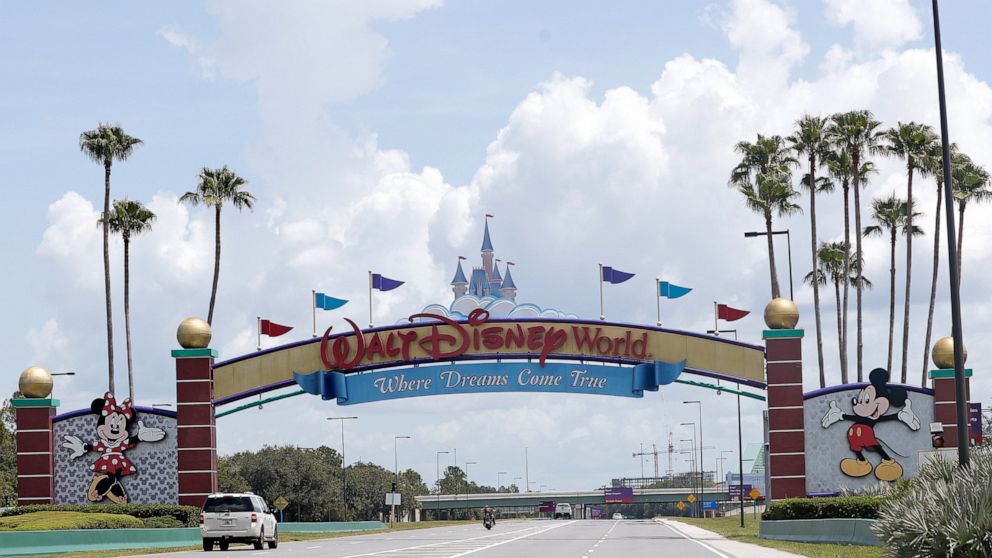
[[615, 276], [382, 283], [669, 290], [594, 379], [325, 302]]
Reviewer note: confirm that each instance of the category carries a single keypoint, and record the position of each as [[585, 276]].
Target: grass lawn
[[730, 527], [283, 538]]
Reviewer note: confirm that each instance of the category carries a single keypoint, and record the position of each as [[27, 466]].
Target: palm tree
[[810, 141], [217, 186], [913, 142], [857, 131], [935, 165], [764, 178], [833, 259], [892, 215], [971, 183], [106, 144], [129, 218]]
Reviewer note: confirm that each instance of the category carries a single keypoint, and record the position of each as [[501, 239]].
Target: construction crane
[[654, 452]]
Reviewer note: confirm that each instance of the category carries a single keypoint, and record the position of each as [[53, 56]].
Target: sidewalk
[[721, 546]]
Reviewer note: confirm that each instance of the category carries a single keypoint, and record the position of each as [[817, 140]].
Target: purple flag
[[384, 283], [615, 276]]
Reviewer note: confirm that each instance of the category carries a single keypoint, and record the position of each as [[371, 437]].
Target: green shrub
[[946, 512], [866, 507], [188, 516], [59, 520], [162, 522]]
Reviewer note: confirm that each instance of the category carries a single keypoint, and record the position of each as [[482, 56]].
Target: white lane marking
[[513, 539], [435, 544], [700, 543]]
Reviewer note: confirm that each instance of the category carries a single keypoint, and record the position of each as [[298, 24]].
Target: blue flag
[[615, 276], [384, 283], [325, 302], [669, 290]]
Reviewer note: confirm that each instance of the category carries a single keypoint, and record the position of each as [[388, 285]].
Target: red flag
[[273, 329], [729, 314], [510, 263], [489, 215], [462, 258]]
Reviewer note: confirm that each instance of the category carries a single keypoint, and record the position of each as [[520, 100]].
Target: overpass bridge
[[534, 499]]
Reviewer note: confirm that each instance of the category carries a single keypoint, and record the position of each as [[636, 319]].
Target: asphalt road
[[509, 539]]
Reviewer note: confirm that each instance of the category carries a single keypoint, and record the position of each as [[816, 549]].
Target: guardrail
[[25, 543], [839, 530]]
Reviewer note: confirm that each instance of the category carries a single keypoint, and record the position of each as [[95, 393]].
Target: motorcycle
[[488, 522]]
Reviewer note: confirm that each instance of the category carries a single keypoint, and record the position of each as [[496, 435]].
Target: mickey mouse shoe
[[888, 470], [855, 467]]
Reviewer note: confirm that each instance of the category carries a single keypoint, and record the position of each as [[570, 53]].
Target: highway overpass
[[527, 499]]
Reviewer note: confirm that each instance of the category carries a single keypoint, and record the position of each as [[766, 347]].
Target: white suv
[[242, 518], [563, 511]]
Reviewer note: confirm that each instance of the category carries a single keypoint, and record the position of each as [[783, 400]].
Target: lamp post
[[344, 468], [515, 479], [160, 405], [396, 467], [952, 264], [722, 466], [702, 485], [788, 239], [467, 463], [692, 455], [498, 475], [437, 465]]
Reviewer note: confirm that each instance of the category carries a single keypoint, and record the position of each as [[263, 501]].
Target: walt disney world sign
[[349, 366]]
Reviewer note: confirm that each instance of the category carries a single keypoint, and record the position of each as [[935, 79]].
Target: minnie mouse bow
[[110, 406]]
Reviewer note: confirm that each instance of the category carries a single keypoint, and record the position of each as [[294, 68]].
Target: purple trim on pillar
[[845, 387]]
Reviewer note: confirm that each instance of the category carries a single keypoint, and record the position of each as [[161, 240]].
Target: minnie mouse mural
[[869, 408], [113, 426]]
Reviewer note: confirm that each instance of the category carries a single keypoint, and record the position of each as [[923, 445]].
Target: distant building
[[485, 280], [754, 468]]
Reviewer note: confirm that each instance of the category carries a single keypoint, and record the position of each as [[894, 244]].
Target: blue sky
[[376, 135]]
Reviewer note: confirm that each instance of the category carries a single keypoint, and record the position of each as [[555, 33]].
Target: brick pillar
[[786, 429], [944, 402], [197, 436], [35, 466]]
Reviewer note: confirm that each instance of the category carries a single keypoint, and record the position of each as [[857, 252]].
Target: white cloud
[[876, 23]]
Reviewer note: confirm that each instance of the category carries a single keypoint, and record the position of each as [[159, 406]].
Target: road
[[509, 539]]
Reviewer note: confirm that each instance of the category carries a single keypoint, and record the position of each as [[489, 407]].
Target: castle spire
[[508, 289], [487, 244], [459, 284], [487, 252]]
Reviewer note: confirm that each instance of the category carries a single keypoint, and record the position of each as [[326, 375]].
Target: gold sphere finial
[[35, 382], [781, 313], [943, 353], [194, 333]]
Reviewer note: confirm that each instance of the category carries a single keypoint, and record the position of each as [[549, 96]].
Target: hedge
[[864, 507], [187, 516], [60, 520]]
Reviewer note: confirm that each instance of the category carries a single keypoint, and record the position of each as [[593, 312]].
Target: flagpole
[[258, 328], [313, 307], [370, 299], [657, 296], [716, 317], [602, 312]]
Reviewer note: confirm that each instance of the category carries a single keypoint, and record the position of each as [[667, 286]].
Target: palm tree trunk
[[892, 293], [771, 255], [933, 286], [816, 266], [213, 290], [846, 281], [840, 332], [859, 287], [961, 206], [106, 275], [909, 266], [127, 315]]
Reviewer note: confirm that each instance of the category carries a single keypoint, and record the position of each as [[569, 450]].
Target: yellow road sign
[[692, 498], [680, 506], [754, 494], [280, 503]]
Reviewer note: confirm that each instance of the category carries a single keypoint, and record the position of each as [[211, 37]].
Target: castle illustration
[[486, 281]]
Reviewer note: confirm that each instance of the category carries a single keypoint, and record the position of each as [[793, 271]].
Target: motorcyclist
[[487, 514]]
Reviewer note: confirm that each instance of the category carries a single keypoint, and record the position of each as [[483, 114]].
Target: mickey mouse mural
[[113, 425], [869, 408]]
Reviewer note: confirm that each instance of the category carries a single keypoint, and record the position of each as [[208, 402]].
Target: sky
[[375, 136]]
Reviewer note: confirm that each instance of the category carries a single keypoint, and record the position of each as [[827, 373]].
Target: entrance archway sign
[[340, 365]]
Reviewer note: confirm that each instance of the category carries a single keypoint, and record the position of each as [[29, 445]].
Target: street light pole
[[467, 463], [344, 468], [693, 454], [702, 467], [788, 240], [498, 475], [952, 263], [437, 465], [740, 457], [396, 466]]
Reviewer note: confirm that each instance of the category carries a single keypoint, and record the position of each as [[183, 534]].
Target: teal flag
[[325, 302], [668, 290]]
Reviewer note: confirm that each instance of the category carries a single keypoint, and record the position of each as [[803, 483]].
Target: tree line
[[215, 187], [836, 152]]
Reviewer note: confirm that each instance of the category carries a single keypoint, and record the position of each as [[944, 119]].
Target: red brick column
[[35, 466], [197, 436], [945, 400], [786, 429]]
